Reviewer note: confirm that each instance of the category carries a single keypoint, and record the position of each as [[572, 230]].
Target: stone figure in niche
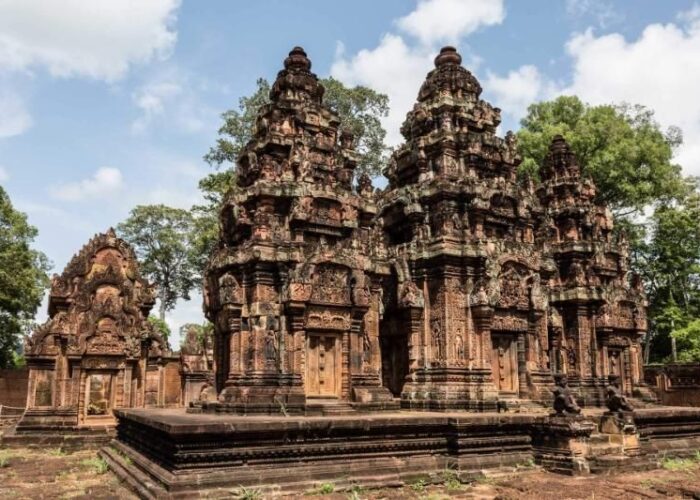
[[366, 346], [614, 399], [271, 349], [437, 334], [459, 347], [564, 401]]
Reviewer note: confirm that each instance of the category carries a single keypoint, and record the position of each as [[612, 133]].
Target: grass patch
[[56, 452], [97, 464], [450, 480], [244, 493], [326, 489], [5, 457], [356, 492], [418, 485]]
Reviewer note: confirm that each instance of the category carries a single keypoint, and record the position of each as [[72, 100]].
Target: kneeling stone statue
[[564, 401], [614, 399]]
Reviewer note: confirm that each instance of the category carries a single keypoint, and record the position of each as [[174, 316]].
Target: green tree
[[360, 110], [162, 328], [161, 238], [23, 278], [621, 147], [669, 260]]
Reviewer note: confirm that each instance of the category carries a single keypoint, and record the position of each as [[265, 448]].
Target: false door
[[323, 366], [616, 366], [504, 363]]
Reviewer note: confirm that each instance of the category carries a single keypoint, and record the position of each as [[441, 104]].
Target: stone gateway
[[97, 351]]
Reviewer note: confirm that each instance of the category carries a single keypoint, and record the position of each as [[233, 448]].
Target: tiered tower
[[598, 305], [294, 290], [461, 230], [457, 287]]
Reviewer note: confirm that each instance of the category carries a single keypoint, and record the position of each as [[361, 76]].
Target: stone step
[[323, 407]]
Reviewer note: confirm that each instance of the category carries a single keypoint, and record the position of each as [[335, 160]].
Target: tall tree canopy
[[669, 260], [23, 278], [621, 147], [161, 237]]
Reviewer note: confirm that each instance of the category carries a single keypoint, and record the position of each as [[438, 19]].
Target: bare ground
[[52, 473]]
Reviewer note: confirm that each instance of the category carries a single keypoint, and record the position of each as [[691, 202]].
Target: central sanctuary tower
[[459, 286]]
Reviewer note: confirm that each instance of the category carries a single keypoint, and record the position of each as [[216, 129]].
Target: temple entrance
[[323, 365], [504, 362], [394, 350], [99, 394]]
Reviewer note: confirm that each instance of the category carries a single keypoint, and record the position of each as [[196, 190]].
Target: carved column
[[522, 366], [483, 315], [584, 332]]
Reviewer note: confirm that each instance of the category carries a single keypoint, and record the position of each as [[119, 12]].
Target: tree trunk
[[162, 306]]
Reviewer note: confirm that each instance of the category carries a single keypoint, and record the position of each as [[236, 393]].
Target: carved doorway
[[504, 363], [323, 365], [99, 395]]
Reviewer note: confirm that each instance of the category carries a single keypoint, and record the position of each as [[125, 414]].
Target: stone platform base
[[68, 439], [174, 454]]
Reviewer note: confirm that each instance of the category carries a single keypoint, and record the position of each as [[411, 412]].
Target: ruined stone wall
[[13, 387], [675, 384]]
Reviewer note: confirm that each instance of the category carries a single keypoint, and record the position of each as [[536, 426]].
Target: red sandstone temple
[[459, 286], [97, 351]]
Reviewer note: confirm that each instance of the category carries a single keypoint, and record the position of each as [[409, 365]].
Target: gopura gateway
[[455, 287], [97, 351]]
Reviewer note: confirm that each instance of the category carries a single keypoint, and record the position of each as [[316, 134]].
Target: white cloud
[[393, 68], [14, 117], [174, 97], [4, 176], [601, 10], [97, 38], [104, 182], [397, 66], [440, 21], [514, 92], [661, 70], [151, 99]]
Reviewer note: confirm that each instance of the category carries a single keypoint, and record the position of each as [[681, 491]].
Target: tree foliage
[[621, 147], [669, 261], [162, 328], [23, 278], [161, 237]]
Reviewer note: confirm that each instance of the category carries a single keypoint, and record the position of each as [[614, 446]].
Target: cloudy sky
[[108, 104]]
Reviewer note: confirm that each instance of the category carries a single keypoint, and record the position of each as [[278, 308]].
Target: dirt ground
[[51, 473]]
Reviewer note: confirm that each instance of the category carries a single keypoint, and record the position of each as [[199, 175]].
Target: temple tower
[[598, 304], [294, 289], [470, 307]]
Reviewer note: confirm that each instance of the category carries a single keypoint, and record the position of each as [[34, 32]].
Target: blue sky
[[108, 104]]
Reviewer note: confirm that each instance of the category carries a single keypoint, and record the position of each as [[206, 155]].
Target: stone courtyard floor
[[52, 473]]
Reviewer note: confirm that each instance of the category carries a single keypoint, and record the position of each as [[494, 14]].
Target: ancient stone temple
[[96, 350], [294, 289], [458, 286]]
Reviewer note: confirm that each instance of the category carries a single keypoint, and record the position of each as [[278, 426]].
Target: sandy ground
[[52, 473]]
